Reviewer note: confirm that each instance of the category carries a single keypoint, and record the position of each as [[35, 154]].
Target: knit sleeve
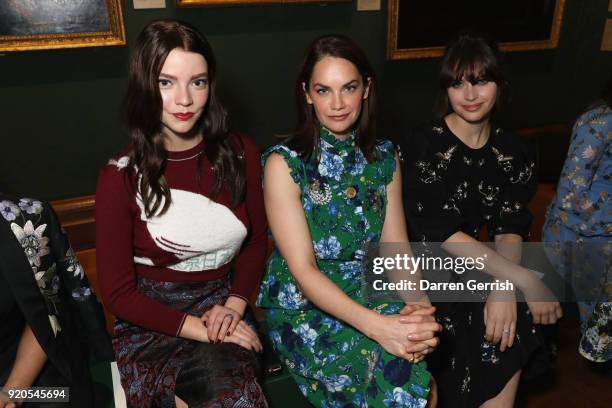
[[115, 257], [249, 264]]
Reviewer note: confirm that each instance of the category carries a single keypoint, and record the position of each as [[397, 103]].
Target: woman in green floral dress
[[331, 190]]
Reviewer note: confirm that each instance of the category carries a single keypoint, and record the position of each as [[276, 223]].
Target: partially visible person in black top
[[52, 324], [462, 172]]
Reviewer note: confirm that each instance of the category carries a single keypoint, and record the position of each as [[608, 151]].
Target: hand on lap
[[220, 321], [244, 336], [500, 319]]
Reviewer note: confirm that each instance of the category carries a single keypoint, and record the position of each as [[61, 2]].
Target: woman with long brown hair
[[174, 212]]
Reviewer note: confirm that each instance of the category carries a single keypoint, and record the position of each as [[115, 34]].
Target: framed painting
[[48, 24], [419, 29], [190, 3]]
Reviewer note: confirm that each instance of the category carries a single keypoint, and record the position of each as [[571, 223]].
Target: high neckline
[[338, 144], [182, 155]]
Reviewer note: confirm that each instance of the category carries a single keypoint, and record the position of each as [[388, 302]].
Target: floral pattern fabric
[[578, 228], [44, 286], [216, 375], [31, 231], [344, 201]]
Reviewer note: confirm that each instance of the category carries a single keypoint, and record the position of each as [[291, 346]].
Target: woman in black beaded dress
[[463, 172]]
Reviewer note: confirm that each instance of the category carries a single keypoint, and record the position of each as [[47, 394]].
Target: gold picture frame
[[27, 25], [192, 3], [398, 51]]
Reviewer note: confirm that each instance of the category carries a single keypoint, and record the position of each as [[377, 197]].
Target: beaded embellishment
[[319, 194]]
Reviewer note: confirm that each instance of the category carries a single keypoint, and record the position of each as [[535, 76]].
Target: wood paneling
[[77, 218]]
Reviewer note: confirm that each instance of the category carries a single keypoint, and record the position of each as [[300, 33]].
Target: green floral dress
[[344, 200]]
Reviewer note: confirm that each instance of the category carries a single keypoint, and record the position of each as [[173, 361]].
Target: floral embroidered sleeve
[[581, 192], [58, 273], [86, 308], [511, 214]]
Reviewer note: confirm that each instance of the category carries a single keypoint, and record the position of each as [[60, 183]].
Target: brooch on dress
[[319, 194], [350, 192]]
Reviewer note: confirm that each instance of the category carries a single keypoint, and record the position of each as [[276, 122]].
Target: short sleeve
[[386, 156], [430, 215], [512, 215], [291, 157]]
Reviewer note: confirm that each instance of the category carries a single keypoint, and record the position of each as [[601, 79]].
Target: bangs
[[473, 58], [470, 62]]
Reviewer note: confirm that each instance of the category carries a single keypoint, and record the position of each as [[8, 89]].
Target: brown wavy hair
[[306, 135], [143, 109]]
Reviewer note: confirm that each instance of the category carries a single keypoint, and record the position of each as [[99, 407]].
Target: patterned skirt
[[155, 367], [586, 264]]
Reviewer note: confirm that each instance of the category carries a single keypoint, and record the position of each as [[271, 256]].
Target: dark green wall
[[59, 109]]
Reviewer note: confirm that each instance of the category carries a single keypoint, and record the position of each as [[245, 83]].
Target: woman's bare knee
[[505, 399], [180, 403]]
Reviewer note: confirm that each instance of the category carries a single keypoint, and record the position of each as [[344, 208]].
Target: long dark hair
[[306, 135], [143, 109], [473, 57]]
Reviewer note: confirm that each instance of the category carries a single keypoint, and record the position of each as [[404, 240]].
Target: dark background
[[422, 24], [59, 109]]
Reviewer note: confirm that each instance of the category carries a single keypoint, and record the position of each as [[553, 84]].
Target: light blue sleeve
[[584, 191]]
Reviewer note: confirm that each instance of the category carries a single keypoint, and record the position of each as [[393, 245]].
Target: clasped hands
[[409, 334], [225, 325]]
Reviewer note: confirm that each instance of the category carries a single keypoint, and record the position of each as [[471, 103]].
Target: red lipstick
[[183, 116]]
